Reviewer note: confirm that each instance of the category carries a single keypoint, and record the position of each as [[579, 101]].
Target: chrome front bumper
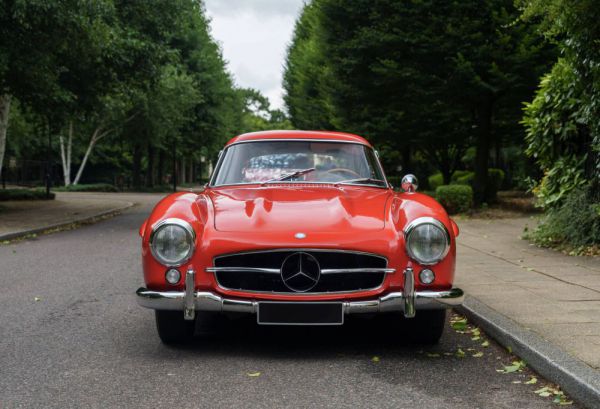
[[190, 301]]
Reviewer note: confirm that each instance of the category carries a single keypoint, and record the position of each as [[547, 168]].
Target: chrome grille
[[340, 271]]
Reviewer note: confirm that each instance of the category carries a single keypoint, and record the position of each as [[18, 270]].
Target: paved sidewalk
[[21, 217], [551, 294]]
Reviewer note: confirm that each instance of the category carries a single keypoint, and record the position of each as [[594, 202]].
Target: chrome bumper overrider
[[407, 301]]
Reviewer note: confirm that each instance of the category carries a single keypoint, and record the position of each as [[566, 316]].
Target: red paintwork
[[328, 135], [232, 219]]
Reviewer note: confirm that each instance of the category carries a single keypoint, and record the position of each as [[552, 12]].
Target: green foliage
[[563, 131], [458, 174], [455, 198], [93, 187], [143, 84], [466, 178], [557, 133], [421, 77], [559, 181], [573, 223], [24, 194], [435, 181], [257, 114]]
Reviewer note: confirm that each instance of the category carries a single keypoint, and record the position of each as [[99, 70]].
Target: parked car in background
[[299, 228]]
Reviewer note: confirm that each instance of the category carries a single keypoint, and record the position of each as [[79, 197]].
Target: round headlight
[[172, 242], [427, 240]]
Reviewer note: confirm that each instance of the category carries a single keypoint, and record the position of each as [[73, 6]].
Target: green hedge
[[24, 194], [466, 177], [575, 223], [455, 198], [95, 187], [435, 181]]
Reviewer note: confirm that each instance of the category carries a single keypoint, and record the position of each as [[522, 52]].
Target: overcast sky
[[254, 35]]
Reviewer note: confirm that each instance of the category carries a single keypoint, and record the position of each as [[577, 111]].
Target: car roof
[[321, 135]]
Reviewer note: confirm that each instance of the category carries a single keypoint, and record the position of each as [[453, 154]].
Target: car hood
[[299, 208]]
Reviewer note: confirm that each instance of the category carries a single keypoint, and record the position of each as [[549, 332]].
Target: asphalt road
[[72, 335]]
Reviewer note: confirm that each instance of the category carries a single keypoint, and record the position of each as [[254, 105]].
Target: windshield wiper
[[290, 175], [361, 180]]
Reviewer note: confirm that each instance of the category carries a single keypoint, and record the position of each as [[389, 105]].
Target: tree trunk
[[183, 171], [150, 170], [137, 166], [4, 113], [65, 156], [483, 151], [191, 171], [161, 165], [95, 137]]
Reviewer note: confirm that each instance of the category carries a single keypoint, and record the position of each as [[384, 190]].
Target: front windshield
[[314, 162]]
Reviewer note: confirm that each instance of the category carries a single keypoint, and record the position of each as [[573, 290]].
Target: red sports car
[[299, 228]]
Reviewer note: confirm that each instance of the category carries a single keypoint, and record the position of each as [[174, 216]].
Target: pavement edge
[[83, 220], [576, 378]]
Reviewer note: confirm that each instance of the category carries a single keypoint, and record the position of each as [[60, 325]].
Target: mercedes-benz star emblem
[[300, 272]]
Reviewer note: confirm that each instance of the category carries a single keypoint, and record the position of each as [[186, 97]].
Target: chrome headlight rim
[[423, 221], [189, 230]]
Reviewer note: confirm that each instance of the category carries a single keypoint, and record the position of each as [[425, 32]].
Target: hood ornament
[[300, 235]]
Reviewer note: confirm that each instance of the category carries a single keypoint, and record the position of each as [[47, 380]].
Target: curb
[[83, 220], [575, 377]]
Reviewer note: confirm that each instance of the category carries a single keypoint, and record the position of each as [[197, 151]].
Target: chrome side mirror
[[409, 183]]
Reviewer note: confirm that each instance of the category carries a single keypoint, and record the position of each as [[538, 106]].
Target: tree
[[564, 114], [430, 76], [304, 71], [32, 65]]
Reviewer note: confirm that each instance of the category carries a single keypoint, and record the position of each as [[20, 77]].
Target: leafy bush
[[435, 181], [459, 174], [575, 223], [466, 178], [96, 187], [558, 126], [455, 198], [24, 194]]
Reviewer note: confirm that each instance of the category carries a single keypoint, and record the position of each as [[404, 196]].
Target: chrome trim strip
[[277, 271], [244, 269], [420, 221], [208, 301], [178, 222], [357, 270]]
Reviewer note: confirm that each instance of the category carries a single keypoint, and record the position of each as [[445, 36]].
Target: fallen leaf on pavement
[[478, 355], [37, 299], [430, 355], [253, 374], [485, 344], [460, 325], [375, 359], [532, 381]]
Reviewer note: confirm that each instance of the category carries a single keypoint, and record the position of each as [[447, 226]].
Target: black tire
[[427, 327], [172, 328]]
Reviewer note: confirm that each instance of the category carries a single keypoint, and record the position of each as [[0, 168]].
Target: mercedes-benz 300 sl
[[299, 228]]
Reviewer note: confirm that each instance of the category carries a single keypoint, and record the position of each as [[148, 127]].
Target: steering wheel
[[343, 170]]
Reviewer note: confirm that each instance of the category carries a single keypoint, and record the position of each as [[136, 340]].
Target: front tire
[[427, 327], [172, 328]]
